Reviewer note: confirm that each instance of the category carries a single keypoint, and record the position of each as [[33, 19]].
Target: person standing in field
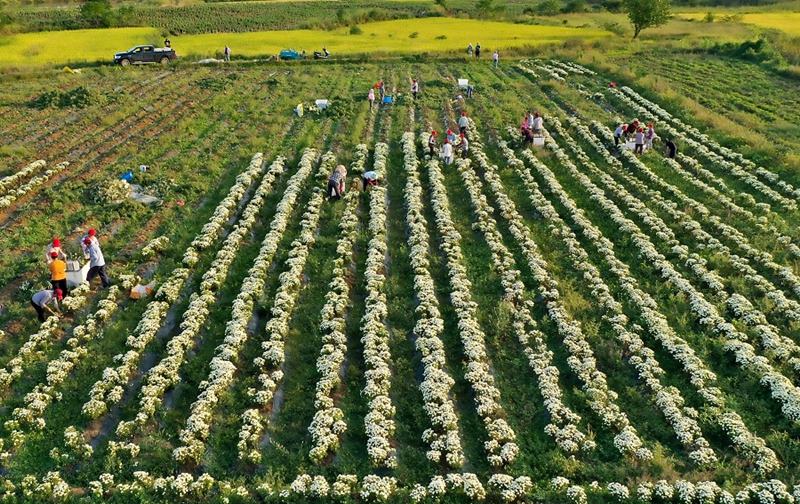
[[447, 152], [463, 123], [432, 143], [451, 137], [639, 141], [381, 89], [672, 149], [167, 43], [537, 127], [371, 98], [336, 182], [42, 300], [414, 88], [478, 50], [464, 145], [97, 263], [496, 58], [619, 133], [469, 50], [54, 246], [227, 53], [649, 136], [58, 273]]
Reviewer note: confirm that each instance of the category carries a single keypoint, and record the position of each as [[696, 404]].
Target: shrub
[[356, 30], [548, 8], [414, 35]]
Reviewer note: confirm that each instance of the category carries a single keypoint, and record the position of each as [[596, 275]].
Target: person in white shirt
[[97, 263], [538, 124], [619, 132], [414, 88], [639, 140], [371, 97], [464, 144], [447, 152], [463, 123], [54, 246], [496, 58], [42, 300]]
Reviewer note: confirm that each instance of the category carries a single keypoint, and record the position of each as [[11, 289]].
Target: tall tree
[[97, 13], [647, 13]]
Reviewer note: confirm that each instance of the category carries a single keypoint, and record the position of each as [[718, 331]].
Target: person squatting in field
[[42, 300], [336, 182]]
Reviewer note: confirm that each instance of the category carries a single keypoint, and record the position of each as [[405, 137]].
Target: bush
[[575, 6], [709, 17], [414, 35], [548, 8], [612, 5], [356, 30], [79, 97], [97, 13]]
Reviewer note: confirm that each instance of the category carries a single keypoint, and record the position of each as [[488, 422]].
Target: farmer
[[538, 124], [464, 145], [432, 143], [633, 127], [451, 137], [619, 132], [469, 50], [672, 149], [649, 135], [97, 263], [463, 123], [414, 88], [371, 98], [496, 58], [167, 43], [369, 178], [58, 273], [447, 152], [478, 50], [336, 182], [381, 89], [470, 90], [42, 300], [639, 140], [227, 53], [54, 246], [525, 131]]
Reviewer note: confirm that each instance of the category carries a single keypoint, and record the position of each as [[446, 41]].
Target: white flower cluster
[[571, 67], [14, 178], [328, 423], [459, 484], [31, 416], [563, 424], [703, 139], [222, 364], [552, 72], [378, 488], [224, 210], [165, 374], [109, 389], [701, 378], [500, 446], [379, 421], [270, 363], [581, 360], [155, 246], [528, 71], [77, 298], [781, 387], [668, 399], [509, 488], [113, 191], [51, 488], [14, 194], [443, 436], [29, 351]]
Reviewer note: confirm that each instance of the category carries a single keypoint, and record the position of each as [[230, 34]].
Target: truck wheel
[[125, 62], [164, 60]]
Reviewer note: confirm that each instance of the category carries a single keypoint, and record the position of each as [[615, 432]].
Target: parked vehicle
[[145, 54], [290, 55]]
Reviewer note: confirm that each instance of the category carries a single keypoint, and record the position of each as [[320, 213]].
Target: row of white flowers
[[500, 446], [224, 210], [701, 146], [7, 182], [735, 342], [552, 72], [563, 426], [379, 421], [165, 373], [668, 399], [779, 346], [222, 364], [581, 360], [704, 140], [39, 341], [701, 378], [571, 67], [443, 436], [270, 363], [14, 194], [328, 423], [155, 246], [110, 388]]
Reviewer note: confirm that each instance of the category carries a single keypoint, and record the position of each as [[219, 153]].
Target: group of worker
[[47, 301], [451, 141], [338, 178], [532, 125]]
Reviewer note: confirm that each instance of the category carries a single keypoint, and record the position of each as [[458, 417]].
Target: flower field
[[567, 323]]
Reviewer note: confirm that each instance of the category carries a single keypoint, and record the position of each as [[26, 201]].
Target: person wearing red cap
[[432, 143], [54, 246], [451, 137], [42, 300], [58, 273], [97, 263]]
